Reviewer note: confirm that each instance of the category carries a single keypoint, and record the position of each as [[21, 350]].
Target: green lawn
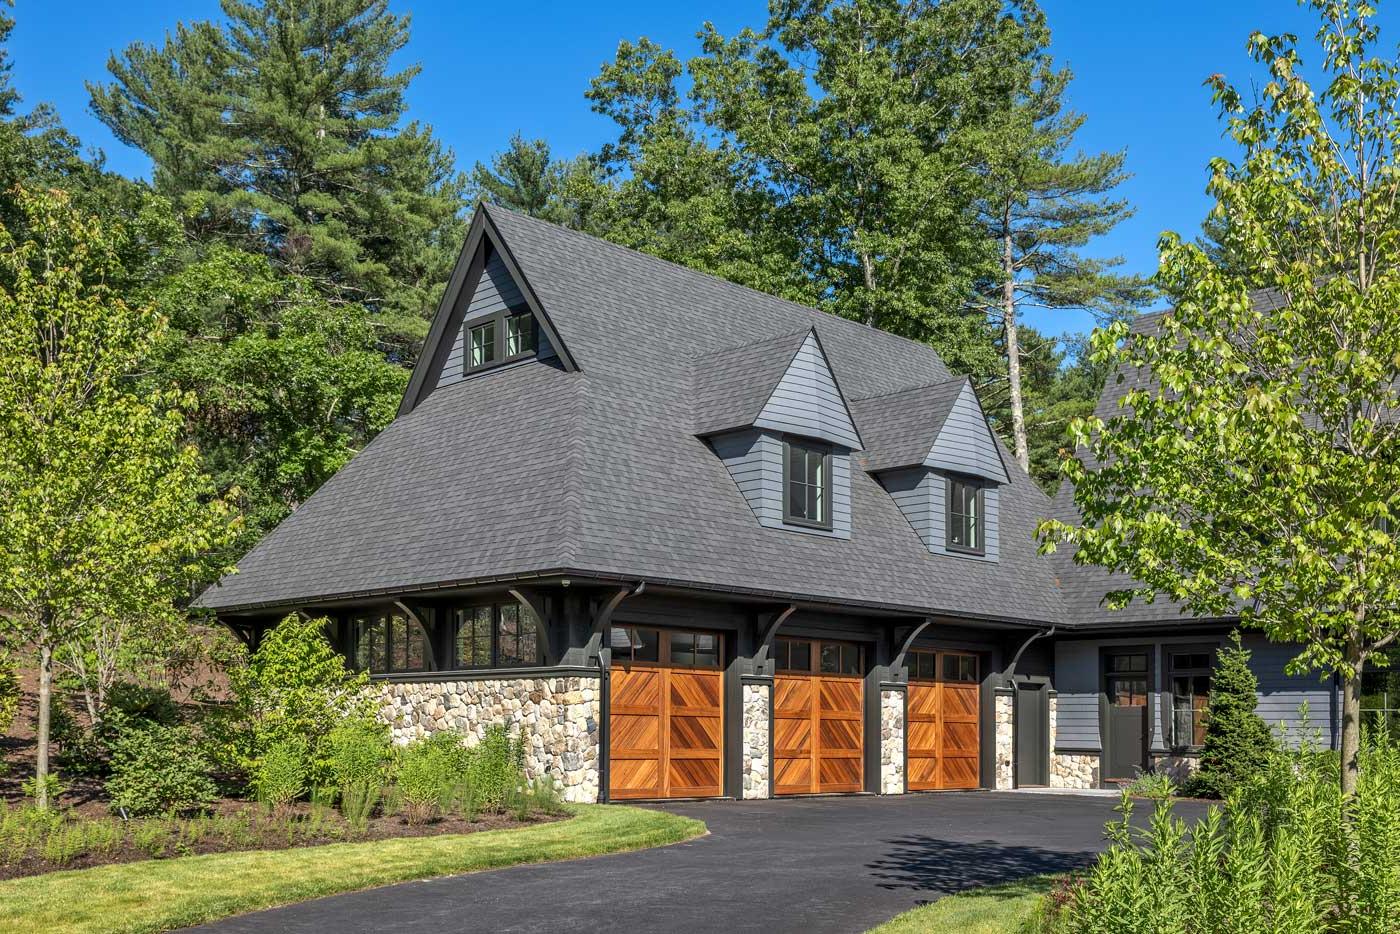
[[158, 895], [997, 909]]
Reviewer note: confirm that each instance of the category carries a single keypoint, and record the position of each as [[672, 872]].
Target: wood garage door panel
[[817, 735], [666, 728], [943, 736]]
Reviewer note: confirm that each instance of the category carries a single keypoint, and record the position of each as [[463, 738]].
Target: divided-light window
[[390, 642], [497, 636], [483, 345], [966, 524], [506, 336], [806, 483]]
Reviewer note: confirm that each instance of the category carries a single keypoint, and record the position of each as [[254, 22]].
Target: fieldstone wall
[[1177, 768], [757, 714], [892, 742], [557, 718], [1005, 731], [1074, 770]]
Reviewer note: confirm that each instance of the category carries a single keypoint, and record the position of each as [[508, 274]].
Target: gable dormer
[[933, 451], [773, 413], [489, 319]]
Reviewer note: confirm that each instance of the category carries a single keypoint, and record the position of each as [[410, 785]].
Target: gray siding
[[1077, 683], [965, 443], [807, 402], [755, 460], [496, 292], [1281, 694], [922, 495]]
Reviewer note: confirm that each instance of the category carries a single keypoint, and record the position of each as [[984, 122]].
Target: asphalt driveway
[[809, 865]]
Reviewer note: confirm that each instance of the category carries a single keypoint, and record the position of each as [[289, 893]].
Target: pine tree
[[526, 177], [1042, 206], [282, 130], [1238, 743]]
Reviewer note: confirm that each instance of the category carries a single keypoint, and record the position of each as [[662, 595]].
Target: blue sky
[[491, 69]]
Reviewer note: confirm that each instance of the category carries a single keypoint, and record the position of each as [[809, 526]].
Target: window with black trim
[[390, 642], [932, 665], [682, 648], [502, 338], [815, 656], [966, 525], [806, 483], [501, 635], [1189, 674]]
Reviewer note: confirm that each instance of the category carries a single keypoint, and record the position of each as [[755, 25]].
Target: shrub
[[431, 772], [128, 707], [1286, 854], [1238, 744], [10, 694], [294, 688], [282, 774], [159, 770], [496, 769], [358, 753]]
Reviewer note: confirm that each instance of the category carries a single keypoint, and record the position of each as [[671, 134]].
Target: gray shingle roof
[[531, 468], [899, 428], [731, 386]]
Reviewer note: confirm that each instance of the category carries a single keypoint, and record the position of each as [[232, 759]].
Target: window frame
[[814, 656], [824, 490], [1187, 671], [387, 648], [663, 648], [456, 617], [915, 659], [499, 321], [952, 483]]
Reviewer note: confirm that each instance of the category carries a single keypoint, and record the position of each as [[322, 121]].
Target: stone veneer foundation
[[892, 704], [757, 716], [1177, 768], [1005, 739], [555, 717]]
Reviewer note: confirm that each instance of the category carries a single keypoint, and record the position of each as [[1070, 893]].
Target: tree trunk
[[41, 760], [1351, 719], [1013, 351]]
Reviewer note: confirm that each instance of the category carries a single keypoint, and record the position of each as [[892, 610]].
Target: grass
[[996, 909], [164, 894]]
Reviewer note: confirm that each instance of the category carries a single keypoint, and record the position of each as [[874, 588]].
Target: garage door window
[[817, 657], [675, 647], [955, 667]]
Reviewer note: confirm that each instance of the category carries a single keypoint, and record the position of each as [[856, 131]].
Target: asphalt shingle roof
[[532, 469], [730, 387], [899, 428]]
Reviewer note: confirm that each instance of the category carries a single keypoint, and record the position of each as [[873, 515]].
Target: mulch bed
[[295, 827]]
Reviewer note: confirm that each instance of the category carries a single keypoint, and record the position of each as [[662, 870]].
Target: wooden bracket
[[534, 601], [603, 618], [769, 632], [897, 663]]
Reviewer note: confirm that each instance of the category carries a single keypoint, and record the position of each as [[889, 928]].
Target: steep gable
[[807, 400], [965, 443]]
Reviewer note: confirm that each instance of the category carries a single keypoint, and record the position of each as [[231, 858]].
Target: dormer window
[[807, 483], [501, 338], [966, 524]]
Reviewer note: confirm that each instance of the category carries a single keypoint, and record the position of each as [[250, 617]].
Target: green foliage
[[74, 431], [1238, 744], [1255, 474], [87, 750], [359, 755], [430, 773], [43, 789], [10, 692], [320, 172], [1276, 860], [1153, 785], [294, 688], [282, 773], [159, 769], [496, 768]]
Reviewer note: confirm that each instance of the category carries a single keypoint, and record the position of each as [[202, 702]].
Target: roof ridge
[[895, 392], [773, 338], [716, 278]]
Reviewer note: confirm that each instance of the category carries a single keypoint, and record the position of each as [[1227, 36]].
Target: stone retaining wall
[[1074, 770], [557, 718], [892, 742], [757, 714]]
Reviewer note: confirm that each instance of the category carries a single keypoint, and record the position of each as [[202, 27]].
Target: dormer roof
[[784, 384], [939, 425]]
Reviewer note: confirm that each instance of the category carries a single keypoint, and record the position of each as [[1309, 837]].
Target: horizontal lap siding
[[965, 444], [1077, 685], [755, 460], [807, 402], [1281, 694], [922, 495], [496, 292]]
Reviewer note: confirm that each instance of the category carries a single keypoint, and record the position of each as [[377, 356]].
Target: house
[[690, 540]]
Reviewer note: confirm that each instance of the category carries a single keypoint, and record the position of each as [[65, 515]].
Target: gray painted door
[[1032, 735], [1126, 685]]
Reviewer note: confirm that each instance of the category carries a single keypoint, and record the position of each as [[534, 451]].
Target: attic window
[[966, 522], [806, 483], [506, 336]]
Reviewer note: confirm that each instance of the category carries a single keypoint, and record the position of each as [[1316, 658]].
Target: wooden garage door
[[665, 721], [943, 728], [817, 718]]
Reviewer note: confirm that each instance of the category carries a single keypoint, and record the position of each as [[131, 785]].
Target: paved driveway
[[807, 865]]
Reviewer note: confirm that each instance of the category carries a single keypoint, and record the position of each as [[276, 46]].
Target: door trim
[[1105, 734]]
